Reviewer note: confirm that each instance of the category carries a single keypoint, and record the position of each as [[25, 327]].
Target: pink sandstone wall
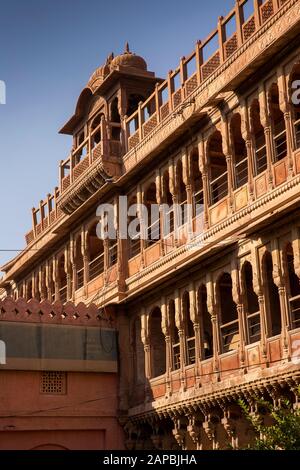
[[83, 418]]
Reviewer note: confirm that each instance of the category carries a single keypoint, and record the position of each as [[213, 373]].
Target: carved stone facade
[[207, 320]]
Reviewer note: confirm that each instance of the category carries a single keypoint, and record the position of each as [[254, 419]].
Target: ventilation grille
[[53, 383]]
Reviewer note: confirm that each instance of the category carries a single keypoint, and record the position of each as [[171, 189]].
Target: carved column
[[228, 154], [73, 266], [237, 298], [204, 173], [68, 270], [143, 223], [147, 349], [212, 308], [159, 202], [181, 333], [173, 191], [284, 309], [56, 278], [166, 332], [245, 128], [286, 109], [266, 123], [259, 291], [85, 256], [194, 314]]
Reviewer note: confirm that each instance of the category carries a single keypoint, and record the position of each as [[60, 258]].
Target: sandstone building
[[202, 325]]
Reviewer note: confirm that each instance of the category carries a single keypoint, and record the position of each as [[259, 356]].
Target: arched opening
[[181, 193], [272, 297], [96, 253], [278, 124], [82, 148], [115, 120], [133, 103], [293, 287], [134, 238], [228, 315], [167, 199], [206, 324], [189, 330], [197, 183], [217, 168], [251, 305], [175, 341], [295, 76], [79, 263], [138, 354], [158, 344], [153, 226], [240, 160], [62, 279], [259, 139], [96, 131]]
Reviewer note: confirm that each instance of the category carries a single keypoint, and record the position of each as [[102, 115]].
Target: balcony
[[89, 167]]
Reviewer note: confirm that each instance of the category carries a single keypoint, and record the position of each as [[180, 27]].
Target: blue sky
[[48, 50]]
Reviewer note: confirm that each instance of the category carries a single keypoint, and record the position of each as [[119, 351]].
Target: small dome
[[129, 59], [98, 76]]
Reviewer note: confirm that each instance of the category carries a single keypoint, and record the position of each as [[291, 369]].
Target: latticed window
[[53, 383]]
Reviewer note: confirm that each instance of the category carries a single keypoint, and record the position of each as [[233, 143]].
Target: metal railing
[[261, 158], [219, 188], [134, 246], [113, 254], [96, 267], [80, 278], [63, 294], [241, 172], [280, 145], [230, 336], [153, 233]]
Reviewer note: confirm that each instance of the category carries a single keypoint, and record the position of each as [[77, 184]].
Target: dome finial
[[127, 50]]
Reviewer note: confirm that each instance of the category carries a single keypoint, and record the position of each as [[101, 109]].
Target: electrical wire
[[112, 395]]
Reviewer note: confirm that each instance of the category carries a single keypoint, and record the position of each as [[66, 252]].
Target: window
[[259, 139], [251, 305], [153, 215], [175, 341], [96, 253], [272, 297], [240, 160], [206, 324], [218, 168], [295, 75], [197, 183], [293, 288], [189, 330], [53, 383], [158, 344], [278, 124], [228, 315]]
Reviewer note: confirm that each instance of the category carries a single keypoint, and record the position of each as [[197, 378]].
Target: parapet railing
[[231, 33]]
